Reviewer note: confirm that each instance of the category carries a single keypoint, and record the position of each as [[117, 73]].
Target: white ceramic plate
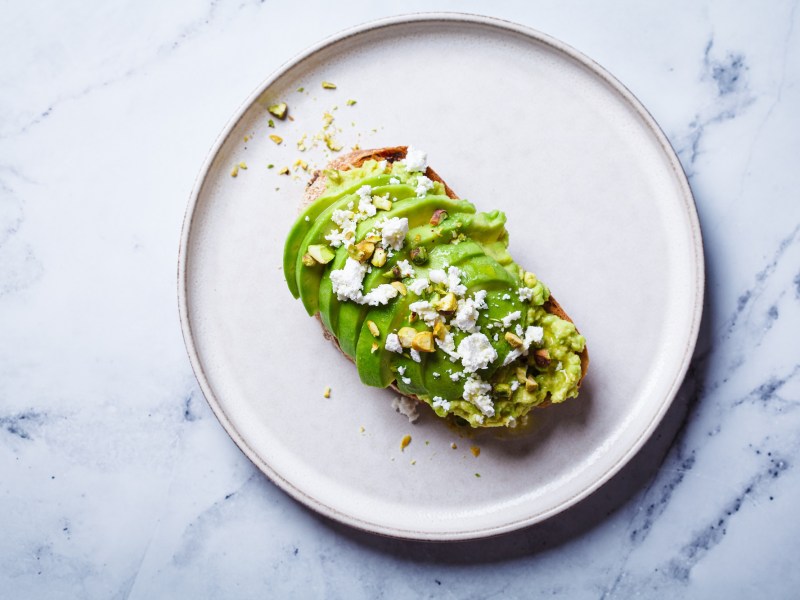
[[597, 206]]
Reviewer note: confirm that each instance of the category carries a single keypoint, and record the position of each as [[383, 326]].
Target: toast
[[317, 186]]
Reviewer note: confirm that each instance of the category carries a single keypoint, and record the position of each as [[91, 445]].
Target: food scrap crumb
[[235, 171], [453, 446], [270, 166], [350, 102], [361, 429], [284, 171], [301, 89], [476, 452], [413, 462], [327, 392], [406, 406], [427, 443], [405, 442], [300, 163], [276, 138], [477, 475], [328, 85], [271, 123], [279, 110], [243, 165], [246, 139]]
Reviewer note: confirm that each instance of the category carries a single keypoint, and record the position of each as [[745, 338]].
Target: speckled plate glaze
[[597, 206]]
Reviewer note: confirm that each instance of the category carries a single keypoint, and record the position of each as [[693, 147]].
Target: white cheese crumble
[[346, 233], [506, 296], [393, 232], [476, 352], [406, 270], [415, 356], [439, 402], [406, 380], [423, 185], [437, 276], [393, 343], [476, 392], [436, 374], [525, 293], [401, 370], [457, 375], [533, 335], [448, 346], [416, 160], [307, 219], [394, 181], [510, 318], [514, 386], [347, 281], [467, 313], [418, 286], [406, 407], [379, 296], [425, 311], [454, 281]]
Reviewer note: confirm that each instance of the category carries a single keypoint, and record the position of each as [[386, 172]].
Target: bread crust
[[316, 187]]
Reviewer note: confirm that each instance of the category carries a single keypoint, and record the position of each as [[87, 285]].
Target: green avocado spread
[[420, 291]]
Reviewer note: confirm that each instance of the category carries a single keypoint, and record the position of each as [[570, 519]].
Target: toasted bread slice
[[316, 187]]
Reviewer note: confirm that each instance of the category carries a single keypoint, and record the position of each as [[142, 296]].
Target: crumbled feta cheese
[[425, 311], [476, 352], [480, 299], [437, 276], [393, 343], [394, 180], [506, 296], [406, 407], [346, 233], [406, 380], [347, 281], [415, 355], [307, 219], [416, 160], [525, 293], [514, 386], [436, 374], [457, 375], [379, 296], [454, 281], [393, 232], [476, 392], [406, 270], [423, 185], [439, 402], [401, 370], [366, 208], [518, 330], [559, 366], [533, 335], [448, 346], [510, 318], [365, 191], [467, 313], [496, 337], [418, 286]]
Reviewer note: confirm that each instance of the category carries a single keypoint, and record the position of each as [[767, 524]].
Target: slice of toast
[[316, 187]]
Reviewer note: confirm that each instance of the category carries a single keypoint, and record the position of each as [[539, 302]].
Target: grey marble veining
[[119, 482]]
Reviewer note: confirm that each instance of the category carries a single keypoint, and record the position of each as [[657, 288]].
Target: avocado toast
[[418, 289]]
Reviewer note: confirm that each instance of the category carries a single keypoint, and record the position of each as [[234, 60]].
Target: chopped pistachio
[[246, 139], [438, 216], [379, 257], [419, 255], [373, 329], [321, 253], [541, 357], [476, 452], [406, 336], [270, 166], [308, 260], [522, 373], [327, 392], [350, 102], [276, 138], [514, 340], [400, 287], [423, 342], [361, 251], [301, 89], [243, 165], [412, 318], [448, 303], [453, 446], [328, 85], [300, 163], [284, 171], [278, 110], [382, 202], [375, 347], [333, 175], [331, 143], [271, 123], [405, 442], [235, 171], [530, 384], [372, 237], [502, 390], [440, 330]]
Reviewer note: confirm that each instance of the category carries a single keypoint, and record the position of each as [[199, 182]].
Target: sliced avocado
[[413, 370], [328, 303], [374, 368], [302, 226]]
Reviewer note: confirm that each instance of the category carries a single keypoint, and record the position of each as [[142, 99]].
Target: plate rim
[[506, 26]]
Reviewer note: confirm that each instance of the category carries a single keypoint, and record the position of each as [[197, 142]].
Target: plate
[[597, 206]]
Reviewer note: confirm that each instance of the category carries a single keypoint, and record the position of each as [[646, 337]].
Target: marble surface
[[118, 482]]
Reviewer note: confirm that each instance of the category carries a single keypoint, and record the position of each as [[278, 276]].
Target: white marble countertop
[[117, 480]]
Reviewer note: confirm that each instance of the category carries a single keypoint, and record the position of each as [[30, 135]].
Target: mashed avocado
[[419, 289]]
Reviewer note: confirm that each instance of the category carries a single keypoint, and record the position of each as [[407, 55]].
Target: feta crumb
[[366, 208], [406, 380], [347, 281], [439, 402], [496, 337], [506, 296], [401, 370], [436, 374], [448, 346], [514, 386], [415, 355], [393, 232], [406, 407], [379, 296], [476, 352], [476, 392], [393, 343], [525, 293], [418, 286], [467, 313], [518, 330], [457, 375], [532, 335], [510, 318], [423, 185], [406, 270], [416, 160], [394, 180], [425, 311], [307, 219], [454, 281], [437, 276]]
